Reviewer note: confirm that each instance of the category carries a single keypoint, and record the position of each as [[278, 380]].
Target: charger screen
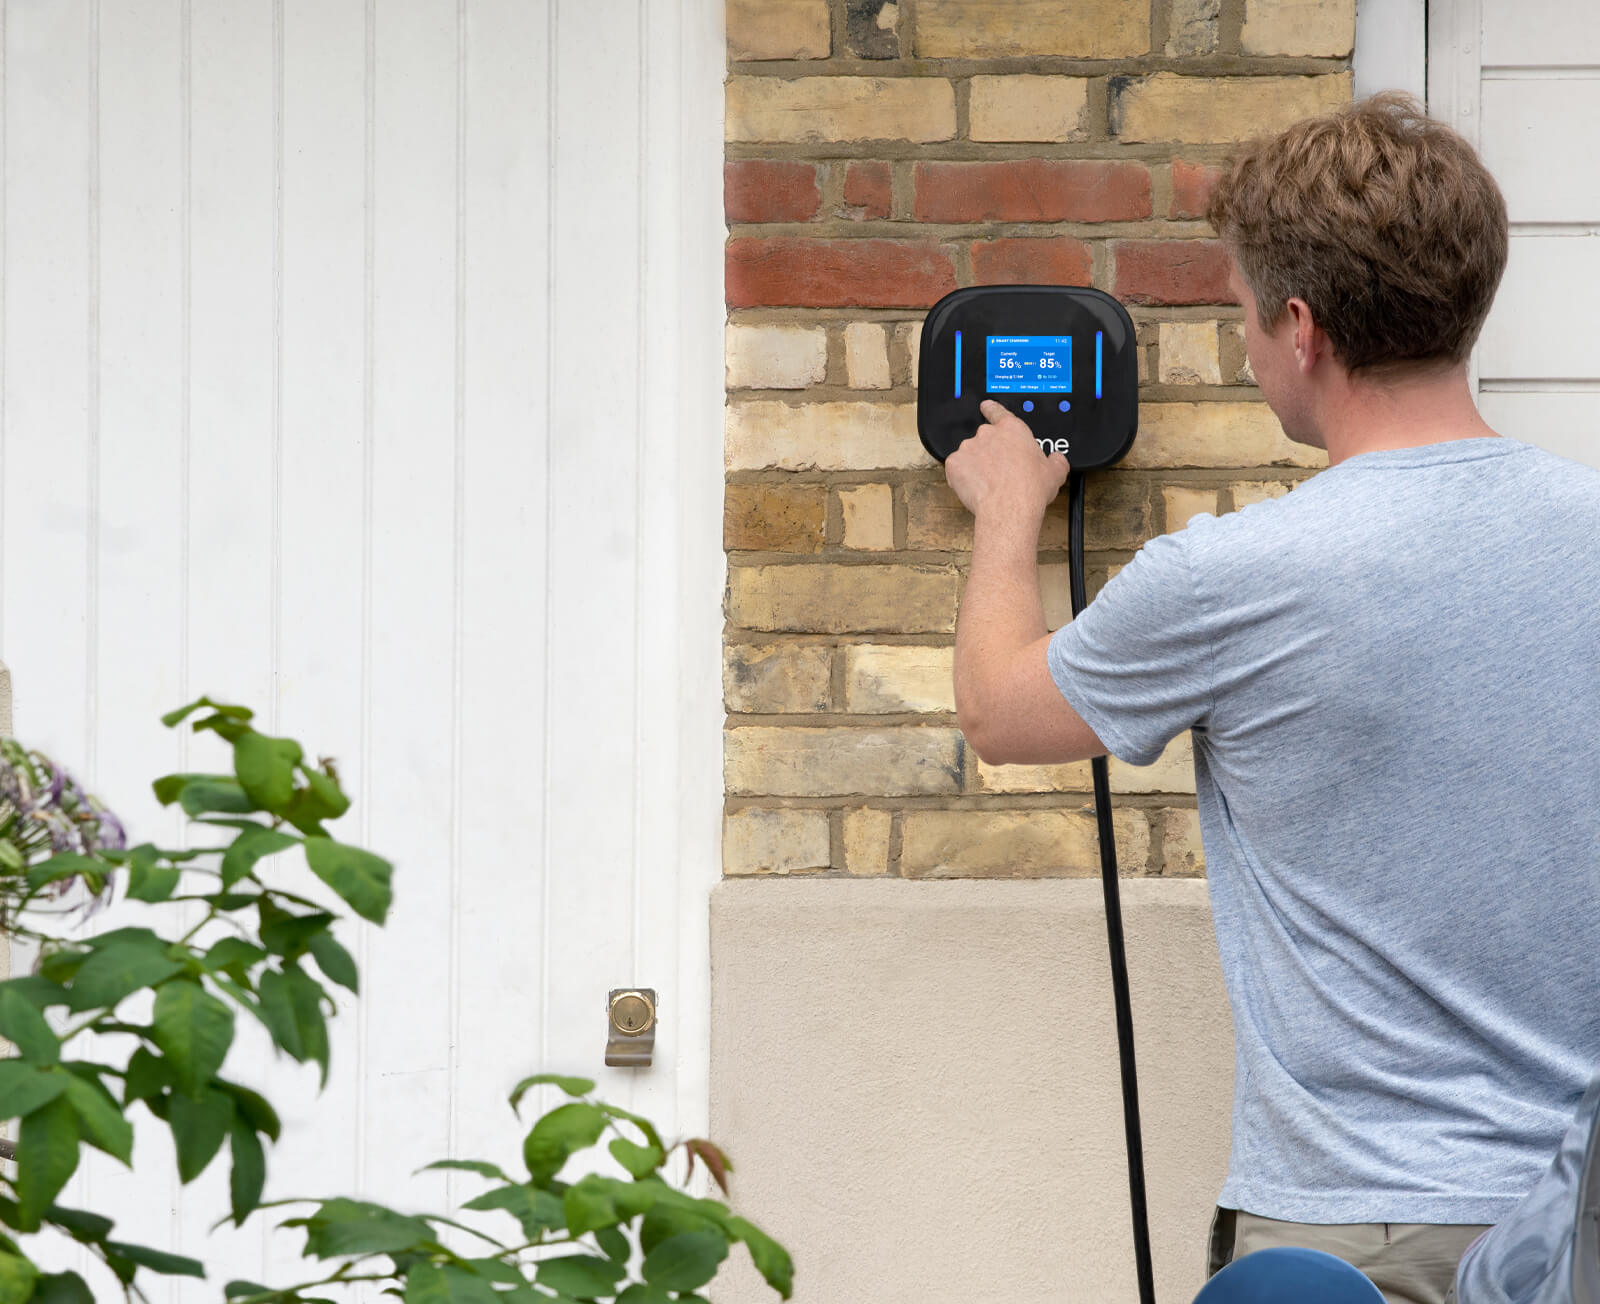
[[1030, 364]]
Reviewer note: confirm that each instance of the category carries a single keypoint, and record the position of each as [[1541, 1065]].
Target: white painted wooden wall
[[361, 362], [1521, 79]]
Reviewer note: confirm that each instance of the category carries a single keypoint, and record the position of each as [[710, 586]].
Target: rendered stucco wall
[[918, 1085]]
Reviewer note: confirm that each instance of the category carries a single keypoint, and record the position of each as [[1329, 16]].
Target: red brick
[[867, 188], [1171, 271], [1031, 262], [1032, 190], [765, 190], [1191, 188], [796, 272]]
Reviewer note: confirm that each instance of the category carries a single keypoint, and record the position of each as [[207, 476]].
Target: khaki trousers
[[1411, 1263]]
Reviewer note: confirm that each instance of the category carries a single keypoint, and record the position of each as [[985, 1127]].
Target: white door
[[1521, 78], [362, 363]]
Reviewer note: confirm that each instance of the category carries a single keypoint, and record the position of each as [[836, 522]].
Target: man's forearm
[[1001, 611]]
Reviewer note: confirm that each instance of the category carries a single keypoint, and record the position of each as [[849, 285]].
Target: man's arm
[[1007, 704]]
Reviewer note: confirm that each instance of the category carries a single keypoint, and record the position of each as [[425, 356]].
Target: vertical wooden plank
[[319, 697], [46, 455], [594, 478], [502, 568], [139, 630], [408, 992], [233, 455]]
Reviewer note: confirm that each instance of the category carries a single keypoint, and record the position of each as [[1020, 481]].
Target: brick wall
[[878, 156]]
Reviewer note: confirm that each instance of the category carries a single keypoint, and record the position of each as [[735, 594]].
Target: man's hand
[[1003, 468]]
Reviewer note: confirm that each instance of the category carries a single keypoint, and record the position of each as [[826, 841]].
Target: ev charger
[[1063, 358]]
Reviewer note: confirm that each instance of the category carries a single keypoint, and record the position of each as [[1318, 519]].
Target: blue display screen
[[1030, 364]]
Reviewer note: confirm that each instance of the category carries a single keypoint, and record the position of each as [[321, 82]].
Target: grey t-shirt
[[1393, 679]]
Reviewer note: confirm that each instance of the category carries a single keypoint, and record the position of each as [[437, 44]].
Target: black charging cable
[[1119, 958]]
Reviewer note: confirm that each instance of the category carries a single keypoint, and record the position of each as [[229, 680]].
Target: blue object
[[958, 364], [1027, 405], [1548, 1250], [1289, 1275], [1065, 406], [1030, 364], [1099, 360]]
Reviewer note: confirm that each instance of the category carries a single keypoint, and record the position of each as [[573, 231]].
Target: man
[[1393, 684]]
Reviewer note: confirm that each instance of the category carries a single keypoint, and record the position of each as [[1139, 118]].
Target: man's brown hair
[[1381, 219]]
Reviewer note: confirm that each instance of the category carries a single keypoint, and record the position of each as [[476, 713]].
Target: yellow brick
[[1076, 777], [774, 517], [907, 761], [1257, 491], [1166, 106], [1192, 28], [1185, 504], [776, 678], [1029, 108], [1055, 591], [763, 434], [816, 109], [866, 841], [830, 599], [1172, 771], [989, 29], [1181, 848], [911, 335], [1244, 375], [1215, 434], [868, 517], [778, 29], [756, 841], [866, 355], [1117, 515], [775, 357], [1310, 28], [1016, 844], [882, 679], [1189, 353]]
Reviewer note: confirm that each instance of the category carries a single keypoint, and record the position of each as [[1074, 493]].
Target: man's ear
[[1310, 342]]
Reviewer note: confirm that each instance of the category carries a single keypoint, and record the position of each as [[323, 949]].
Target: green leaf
[[588, 1206], [194, 1030], [321, 799], [428, 1284], [249, 1171], [171, 1265], [583, 1276], [643, 1124], [253, 843], [235, 955], [23, 1026], [289, 935], [334, 961], [265, 766], [614, 1244], [253, 1109], [169, 787], [533, 1208], [241, 713], [24, 1087], [466, 1166], [572, 1086], [66, 865], [686, 1261], [638, 1161], [644, 1294], [17, 1278], [117, 971], [80, 1224], [199, 1124], [771, 1259], [559, 1134], [61, 963], [61, 1288], [202, 796], [100, 1118], [47, 1155], [148, 882], [306, 995], [240, 1288], [277, 1013], [341, 1227], [360, 878], [147, 1077]]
